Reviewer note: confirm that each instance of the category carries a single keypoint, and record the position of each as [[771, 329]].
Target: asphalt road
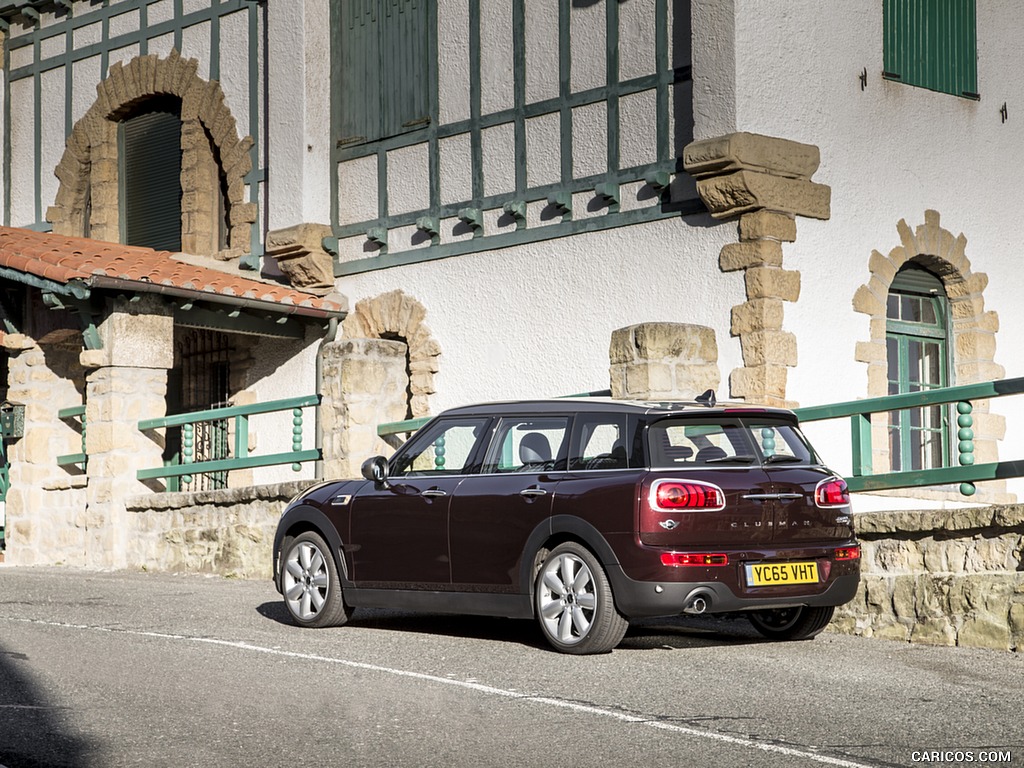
[[134, 669]]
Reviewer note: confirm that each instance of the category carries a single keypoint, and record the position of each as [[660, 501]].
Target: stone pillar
[[663, 361], [766, 182], [365, 383], [127, 383], [44, 501]]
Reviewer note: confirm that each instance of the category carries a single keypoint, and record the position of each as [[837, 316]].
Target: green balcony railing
[[240, 458], [967, 473], [69, 414]]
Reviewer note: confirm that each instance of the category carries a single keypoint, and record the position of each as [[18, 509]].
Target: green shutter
[[382, 74], [404, 43], [932, 44], [151, 180], [359, 74]]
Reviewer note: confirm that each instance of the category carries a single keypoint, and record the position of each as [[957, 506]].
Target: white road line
[[587, 709]]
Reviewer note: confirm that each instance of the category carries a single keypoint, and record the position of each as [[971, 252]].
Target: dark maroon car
[[583, 514]]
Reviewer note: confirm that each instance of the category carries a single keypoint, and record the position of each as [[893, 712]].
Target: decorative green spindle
[[439, 452], [296, 435], [768, 441], [188, 443], [966, 436]]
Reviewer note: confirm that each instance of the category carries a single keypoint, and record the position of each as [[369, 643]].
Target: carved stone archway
[[394, 315], [87, 201], [974, 336]]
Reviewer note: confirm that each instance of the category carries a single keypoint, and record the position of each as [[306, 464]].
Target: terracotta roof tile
[[62, 259]]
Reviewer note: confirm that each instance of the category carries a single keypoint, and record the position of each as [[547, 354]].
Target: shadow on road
[[33, 733], [648, 634]]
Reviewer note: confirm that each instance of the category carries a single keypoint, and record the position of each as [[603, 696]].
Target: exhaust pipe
[[697, 602]]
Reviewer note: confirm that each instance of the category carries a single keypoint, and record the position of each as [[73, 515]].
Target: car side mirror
[[376, 469]]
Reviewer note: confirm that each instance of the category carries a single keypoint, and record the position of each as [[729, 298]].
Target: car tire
[[310, 583], [574, 602], [800, 623]]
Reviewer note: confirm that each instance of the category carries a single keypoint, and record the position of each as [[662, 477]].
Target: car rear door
[[795, 476], [707, 487]]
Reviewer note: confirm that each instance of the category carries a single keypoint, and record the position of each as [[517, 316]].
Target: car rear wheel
[[800, 623], [574, 602], [310, 583]]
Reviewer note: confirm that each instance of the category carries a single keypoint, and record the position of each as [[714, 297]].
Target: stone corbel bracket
[[745, 172], [766, 182], [301, 256]]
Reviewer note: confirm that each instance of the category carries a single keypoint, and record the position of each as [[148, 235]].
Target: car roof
[[563, 405]]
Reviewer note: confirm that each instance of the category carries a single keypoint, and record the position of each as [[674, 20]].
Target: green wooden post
[[241, 436], [860, 435]]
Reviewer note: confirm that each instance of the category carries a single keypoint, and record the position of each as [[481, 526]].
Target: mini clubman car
[[581, 514]]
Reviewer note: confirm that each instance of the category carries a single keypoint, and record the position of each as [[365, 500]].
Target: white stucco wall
[[888, 152], [536, 320]]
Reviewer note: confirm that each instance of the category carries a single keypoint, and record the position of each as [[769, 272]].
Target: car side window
[[528, 445], [599, 442], [690, 444], [446, 448]]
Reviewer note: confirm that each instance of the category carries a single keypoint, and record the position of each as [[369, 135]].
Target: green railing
[[240, 458], [967, 473], [73, 459]]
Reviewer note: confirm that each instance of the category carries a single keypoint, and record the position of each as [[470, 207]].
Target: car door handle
[[533, 492], [433, 492], [768, 496]]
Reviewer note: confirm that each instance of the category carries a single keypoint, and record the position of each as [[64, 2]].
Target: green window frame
[[917, 348], [932, 44], [380, 72], [149, 148]]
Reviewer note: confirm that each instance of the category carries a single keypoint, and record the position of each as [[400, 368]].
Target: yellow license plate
[[771, 574]]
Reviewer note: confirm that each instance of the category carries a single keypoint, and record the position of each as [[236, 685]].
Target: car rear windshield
[[726, 442]]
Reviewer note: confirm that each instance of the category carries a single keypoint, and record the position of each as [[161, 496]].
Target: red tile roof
[[109, 265]]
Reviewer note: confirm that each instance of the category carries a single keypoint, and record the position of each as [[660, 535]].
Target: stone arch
[[974, 335], [87, 201], [392, 316]]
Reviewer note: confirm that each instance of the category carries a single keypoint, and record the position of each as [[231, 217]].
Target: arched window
[[917, 348]]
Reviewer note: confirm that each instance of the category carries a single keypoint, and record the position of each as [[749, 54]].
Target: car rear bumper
[[638, 599]]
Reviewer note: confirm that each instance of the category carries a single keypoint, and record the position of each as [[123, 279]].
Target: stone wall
[[941, 577], [229, 532]]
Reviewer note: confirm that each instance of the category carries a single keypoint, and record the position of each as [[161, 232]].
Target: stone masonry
[[941, 577], [765, 181], [364, 384], [663, 361]]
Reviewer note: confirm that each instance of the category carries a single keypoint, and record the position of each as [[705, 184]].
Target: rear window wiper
[[778, 458], [725, 459]]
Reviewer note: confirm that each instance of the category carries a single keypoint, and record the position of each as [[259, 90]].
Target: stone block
[[755, 253], [764, 154], [772, 282], [934, 631], [768, 225], [756, 315], [985, 632], [746, 191], [301, 256], [764, 384], [769, 348], [867, 302]]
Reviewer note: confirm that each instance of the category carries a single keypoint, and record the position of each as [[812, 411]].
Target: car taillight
[[847, 553], [673, 495], [832, 492], [689, 558]]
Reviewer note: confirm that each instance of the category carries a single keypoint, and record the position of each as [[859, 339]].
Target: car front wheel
[[800, 623], [574, 602], [310, 583]]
